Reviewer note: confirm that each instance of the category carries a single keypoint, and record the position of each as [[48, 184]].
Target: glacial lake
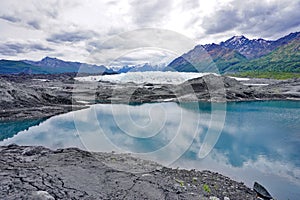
[[247, 141]]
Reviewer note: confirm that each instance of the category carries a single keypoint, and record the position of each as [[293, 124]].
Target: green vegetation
[[180, 182], [214, 60], [226, 61], [284, 59], [281, 63], [216, 187], [113, 159], [206, 188], [267, 74], [13, 67], [16, 67]]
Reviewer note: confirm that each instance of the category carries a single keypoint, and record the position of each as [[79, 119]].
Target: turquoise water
[[247, 141], [10, 128]]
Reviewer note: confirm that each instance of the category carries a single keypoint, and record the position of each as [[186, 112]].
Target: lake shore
[[40, 173], [42, 96], [39, 96]]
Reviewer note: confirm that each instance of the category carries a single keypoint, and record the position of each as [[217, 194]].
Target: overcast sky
[[75, 29]]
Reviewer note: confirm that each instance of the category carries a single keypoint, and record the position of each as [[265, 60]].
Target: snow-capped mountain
[[240, 53], [146, 67], [257, 47], [249, 48]]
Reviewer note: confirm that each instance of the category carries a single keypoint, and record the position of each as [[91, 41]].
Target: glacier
[[154, 77]]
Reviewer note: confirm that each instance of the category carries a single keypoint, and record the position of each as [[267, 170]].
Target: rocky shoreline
[[39, 96], [28, 172], [39, 173]]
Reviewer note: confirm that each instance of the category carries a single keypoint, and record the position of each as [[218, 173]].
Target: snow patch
[[42, 80], [239, 78], [83, 102], [256, 84]]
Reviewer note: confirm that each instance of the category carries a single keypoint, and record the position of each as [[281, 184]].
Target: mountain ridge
[[207, 58], [256, 48], [249, 48], [49, 65], [239, 53], [285, 58], [140, 68], [236, 54]]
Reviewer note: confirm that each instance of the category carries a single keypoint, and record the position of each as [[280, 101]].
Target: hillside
[[283, 59], [205, 58], [15, 67], [256, 48], [49, 66], [239, 54], [60, 66]]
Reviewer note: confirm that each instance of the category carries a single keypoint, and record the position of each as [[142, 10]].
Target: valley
[[158, 100]]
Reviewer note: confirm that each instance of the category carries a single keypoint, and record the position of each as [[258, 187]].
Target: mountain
[[124, 69], [286, 39], [240, 54], [249, 48], [146, 67], [285, 58], [205, 58], [49, 66], [15, 67], [257, 47], [54, 65]]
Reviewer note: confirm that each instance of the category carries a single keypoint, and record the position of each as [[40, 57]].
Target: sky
[[102, 32]]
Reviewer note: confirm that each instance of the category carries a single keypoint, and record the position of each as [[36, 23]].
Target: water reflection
[[10, 128], [259, 141], [161, 132]]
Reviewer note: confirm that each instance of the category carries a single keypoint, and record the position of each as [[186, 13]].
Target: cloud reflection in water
[[260, 140]]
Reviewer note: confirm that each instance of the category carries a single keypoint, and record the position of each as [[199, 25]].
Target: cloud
[[31, 23], [76, 36], [35, 24], [145, 45], [141, 56], [10, 18], [263, 18], [13, 49], [150, 12], [274, 172], [77, 29], [224, 21]]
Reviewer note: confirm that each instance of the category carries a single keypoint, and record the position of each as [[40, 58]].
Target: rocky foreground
[[38, 96], [28, 172]]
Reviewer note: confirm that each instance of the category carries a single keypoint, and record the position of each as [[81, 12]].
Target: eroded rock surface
[[28, 172]]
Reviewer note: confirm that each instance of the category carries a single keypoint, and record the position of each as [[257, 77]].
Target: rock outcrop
[[28, 172], [39, 96]]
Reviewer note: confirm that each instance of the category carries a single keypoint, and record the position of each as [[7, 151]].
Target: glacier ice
[[154, 77]]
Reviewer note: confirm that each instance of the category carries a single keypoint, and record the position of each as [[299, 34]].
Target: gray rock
[[26, 96], [75, 174]]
